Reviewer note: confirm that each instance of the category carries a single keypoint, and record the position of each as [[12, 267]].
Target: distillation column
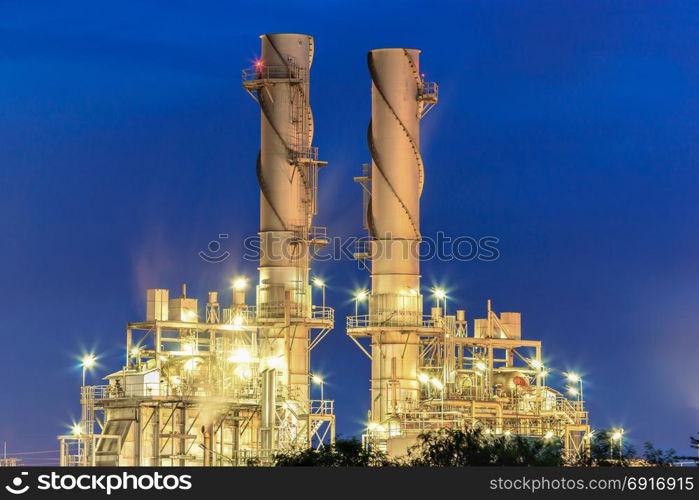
[[286, 171], [393, 220]]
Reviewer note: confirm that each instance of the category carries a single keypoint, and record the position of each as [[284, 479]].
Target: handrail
[[400, 318], [323, 312], [309, 153], [264, 72], [322, 406], [428, 91]]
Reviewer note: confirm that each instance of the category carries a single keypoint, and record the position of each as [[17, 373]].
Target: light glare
[[240, 283], [89, 361]]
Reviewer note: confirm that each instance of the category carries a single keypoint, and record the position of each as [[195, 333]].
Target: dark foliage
[[473, 447], [658, 457], [344, 453], [455, 448], [604, 452], [693, 443]]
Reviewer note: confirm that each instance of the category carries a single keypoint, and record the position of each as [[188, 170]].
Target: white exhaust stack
[[287, 169], [393, 219]]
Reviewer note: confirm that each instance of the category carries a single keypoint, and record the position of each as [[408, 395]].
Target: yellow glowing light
[[618, 435], [548, 435], [240, 283], [488, 431], [573, 377], [361, 295], [573, 391], [188, 348], [439, 293], [480, 366], [135, 351], [318, 282], [238, 320], [76, 429], [240, 356], [437, 384], [191, 364], [544, 373], [508, 433], [276, 362], [89, 361], [412, 291], [423, 377], [536, 364], [316, 379], [589, 435], [372, 426], [243, 372]]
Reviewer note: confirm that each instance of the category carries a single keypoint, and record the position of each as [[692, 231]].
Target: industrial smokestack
[[287, 171], [393, 218]]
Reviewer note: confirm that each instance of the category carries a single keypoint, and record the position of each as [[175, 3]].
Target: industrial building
[[431, 371], [212, 384], [229, 384]]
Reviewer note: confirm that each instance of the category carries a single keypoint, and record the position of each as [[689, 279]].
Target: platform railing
[[322, 406], [309, 153], [400, 319], [428, 91], [265, 72], [323, 312]]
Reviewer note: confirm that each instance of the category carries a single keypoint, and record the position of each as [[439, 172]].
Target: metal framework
[[232, 389], [491, 379], [202, 394], [427, 371]]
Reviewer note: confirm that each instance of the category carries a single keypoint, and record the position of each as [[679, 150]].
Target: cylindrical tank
[[510, 383]]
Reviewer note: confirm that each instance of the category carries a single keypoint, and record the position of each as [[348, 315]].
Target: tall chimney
[[393, 219], [287, 168]]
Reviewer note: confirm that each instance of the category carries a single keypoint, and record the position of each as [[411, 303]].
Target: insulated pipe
[[268, 409], [394, 224]]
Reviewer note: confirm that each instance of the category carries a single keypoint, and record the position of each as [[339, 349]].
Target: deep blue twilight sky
[[568, 130]]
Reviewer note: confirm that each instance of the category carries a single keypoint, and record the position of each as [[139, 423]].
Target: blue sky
[[568, 130]]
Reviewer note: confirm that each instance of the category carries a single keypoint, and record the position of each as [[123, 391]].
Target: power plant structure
[[430, 372], [229, 384], [231, 387]]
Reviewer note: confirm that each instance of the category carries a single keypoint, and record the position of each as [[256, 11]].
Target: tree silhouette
[[658, 457], [605, 452], [474, 447], [344, 453], [456, 448]]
